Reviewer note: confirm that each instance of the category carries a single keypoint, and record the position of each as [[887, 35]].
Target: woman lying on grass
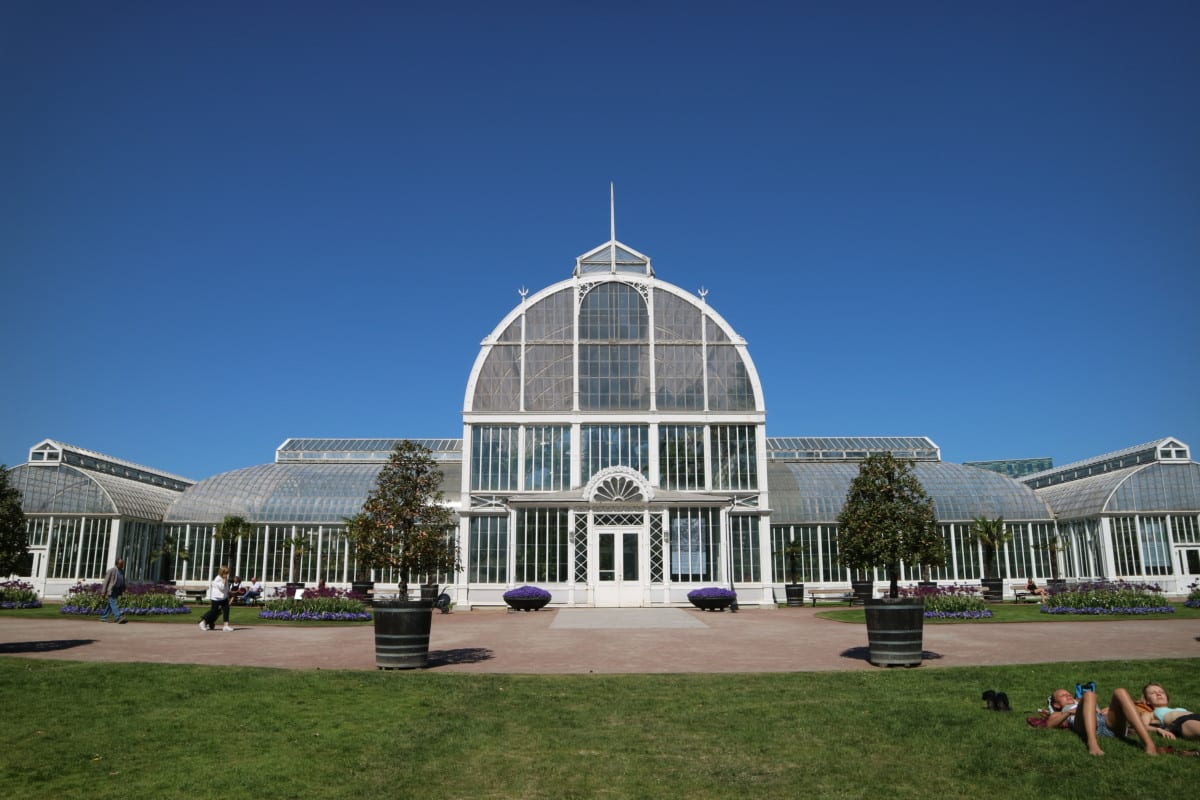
[[1170, 722], [1090, 722]]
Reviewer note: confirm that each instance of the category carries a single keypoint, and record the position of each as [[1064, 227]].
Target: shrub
[[950, 602], [324, 604], [18, 594], [139, 600], [527, 593], [1108, 597]]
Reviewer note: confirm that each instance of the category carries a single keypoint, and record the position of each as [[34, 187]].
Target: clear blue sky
[[223, 224]]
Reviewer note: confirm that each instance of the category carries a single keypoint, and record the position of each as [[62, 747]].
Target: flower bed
[[1193, 598], [139, 600], [1108, 597], [319, 605], [18, 594], [950, 602]]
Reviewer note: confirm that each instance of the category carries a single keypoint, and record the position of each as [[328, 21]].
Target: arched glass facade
[[615, 443]]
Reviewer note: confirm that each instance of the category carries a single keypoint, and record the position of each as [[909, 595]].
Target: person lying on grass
[[1090, 722], [1170, 722]]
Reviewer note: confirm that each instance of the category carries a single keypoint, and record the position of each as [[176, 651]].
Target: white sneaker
[[227, 628], [204, 627]]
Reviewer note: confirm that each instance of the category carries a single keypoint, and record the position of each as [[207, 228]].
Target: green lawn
[[137, 730]]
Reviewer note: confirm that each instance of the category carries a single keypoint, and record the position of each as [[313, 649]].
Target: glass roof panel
[[808, 492], [312, 493], [63, 489]]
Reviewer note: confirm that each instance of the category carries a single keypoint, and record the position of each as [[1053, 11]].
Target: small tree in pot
[[992, 536], [793, 589], [887, 520], [404, 526]]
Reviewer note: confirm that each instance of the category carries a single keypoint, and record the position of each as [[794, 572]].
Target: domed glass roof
[[613, 338]]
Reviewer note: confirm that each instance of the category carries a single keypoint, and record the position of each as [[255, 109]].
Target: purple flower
[[711, 593], [526, 593]]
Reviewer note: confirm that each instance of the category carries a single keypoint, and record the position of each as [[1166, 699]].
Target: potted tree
[[887, 520], [794, 589], [992, 535], [1055, 547], [404, 526]]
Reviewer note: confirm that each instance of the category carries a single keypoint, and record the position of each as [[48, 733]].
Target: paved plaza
[[597, 640]]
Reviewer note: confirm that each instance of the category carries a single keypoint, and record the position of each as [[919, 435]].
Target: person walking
[[218, 596], [114, 587]]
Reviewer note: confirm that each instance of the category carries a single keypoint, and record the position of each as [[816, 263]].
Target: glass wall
[[734, 457], [547, 458], [695, 545], [681, 457], [487, 550], [614, 446], [542, 545], [743, 546], [494, 458]]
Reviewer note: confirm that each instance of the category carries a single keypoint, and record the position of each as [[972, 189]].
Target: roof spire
[[612, 228], [612, 211]]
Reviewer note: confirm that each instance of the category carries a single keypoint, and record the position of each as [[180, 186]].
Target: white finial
[[523, 292], [612, 228], [612, 211], [703, 294]]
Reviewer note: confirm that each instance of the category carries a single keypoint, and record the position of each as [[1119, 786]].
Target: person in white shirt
[[253, 591], [218, 596]]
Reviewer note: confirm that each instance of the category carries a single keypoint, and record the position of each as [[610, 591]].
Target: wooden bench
[[833, 596]]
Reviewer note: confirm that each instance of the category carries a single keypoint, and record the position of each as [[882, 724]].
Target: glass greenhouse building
[[614, 452]]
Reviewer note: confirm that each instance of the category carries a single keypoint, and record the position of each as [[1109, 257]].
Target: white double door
[[619, 577]]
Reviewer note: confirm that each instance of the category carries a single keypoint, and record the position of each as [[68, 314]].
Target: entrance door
[[1190, 559], [618, 568]]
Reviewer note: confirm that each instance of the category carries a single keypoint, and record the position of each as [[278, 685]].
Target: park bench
[[833, 596], [198, 595], [192, 595], [1021, 594]]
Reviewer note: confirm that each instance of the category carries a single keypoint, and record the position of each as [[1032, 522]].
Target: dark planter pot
[[526, 603], [895, 632], [927, 584], [402, 633], [711, 603], [794, 593], [864, 589], [993, 589], [429, 591], [365, 588]]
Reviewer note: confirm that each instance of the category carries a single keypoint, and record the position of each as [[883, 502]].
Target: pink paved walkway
[[601, 641]]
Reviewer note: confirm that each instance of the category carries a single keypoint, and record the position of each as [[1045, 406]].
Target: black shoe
[[1001, 701], [122, 621], [989, 697]]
